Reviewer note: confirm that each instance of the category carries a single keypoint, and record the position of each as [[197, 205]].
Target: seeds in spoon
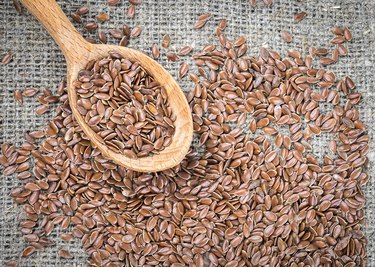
[[28, 251], [117, 34], [202, 20], [102, 37], [75, 16], [184, 68], [125, 106], [113, 2], [90, 26], [82, 10], [65, 254], [172, 56], [155, 51], [18, 96]]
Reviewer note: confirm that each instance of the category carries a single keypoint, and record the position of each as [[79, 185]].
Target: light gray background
[[38, 62]]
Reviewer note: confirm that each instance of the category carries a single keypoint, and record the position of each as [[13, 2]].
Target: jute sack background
[[39, 63]]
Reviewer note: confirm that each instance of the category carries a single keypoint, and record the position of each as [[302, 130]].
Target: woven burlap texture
[[38, 62]]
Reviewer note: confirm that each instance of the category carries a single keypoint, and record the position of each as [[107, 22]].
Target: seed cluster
[[253, 194], [125, 106], [122, 35]]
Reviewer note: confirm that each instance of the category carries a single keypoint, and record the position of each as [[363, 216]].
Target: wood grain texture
[[78, 53]]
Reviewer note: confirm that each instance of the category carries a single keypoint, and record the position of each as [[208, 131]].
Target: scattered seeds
[[259, 199], [28, 251], [91, 26], [117, 34], [268, 2], [41, 109]]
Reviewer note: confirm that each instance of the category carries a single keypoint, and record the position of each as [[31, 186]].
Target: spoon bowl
[[78, 53]]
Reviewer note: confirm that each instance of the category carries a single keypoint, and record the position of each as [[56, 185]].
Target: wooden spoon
[[79, 52]]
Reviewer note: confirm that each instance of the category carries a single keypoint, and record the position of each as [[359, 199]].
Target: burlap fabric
[[38, 62]]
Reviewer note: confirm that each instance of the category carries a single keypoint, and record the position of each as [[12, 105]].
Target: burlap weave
[[38, 62]]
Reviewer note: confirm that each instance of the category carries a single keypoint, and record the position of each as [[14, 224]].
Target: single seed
[[65, 254], [7, 58], [166, 41], [102, 37], [102, 17], [299, 16], [286, 36], [184, 69], [136, 31], [113, 2], [265, 198]]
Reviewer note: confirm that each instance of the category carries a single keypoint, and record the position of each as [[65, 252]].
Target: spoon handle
[[50, 15]]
